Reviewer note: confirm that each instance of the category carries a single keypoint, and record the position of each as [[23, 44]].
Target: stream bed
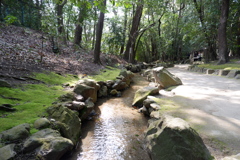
[[117, 132]]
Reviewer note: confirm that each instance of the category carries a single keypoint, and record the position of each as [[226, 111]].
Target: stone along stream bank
[[117, 132]]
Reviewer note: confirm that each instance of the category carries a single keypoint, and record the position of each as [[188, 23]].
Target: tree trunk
[[99, 30], [238, 39], [59, 9], [124, 31], [94, 29], [79, 28], [129, 54], [222, 37]]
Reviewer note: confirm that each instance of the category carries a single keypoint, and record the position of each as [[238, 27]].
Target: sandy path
[[211, 104], [118, 132]]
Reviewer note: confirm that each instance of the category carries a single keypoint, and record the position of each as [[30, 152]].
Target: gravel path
[[211, 104]]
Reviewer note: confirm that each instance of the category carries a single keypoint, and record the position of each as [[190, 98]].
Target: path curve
[[118, 132], [211, 104]]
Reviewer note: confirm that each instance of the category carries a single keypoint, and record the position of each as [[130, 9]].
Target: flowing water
[[117, 133]]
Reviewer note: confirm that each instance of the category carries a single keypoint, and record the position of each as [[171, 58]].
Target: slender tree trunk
[[59, 9], [222, 36], [79, 28], [94, 29], [124, 31], [238, 39], [129, 54], [99, 30]]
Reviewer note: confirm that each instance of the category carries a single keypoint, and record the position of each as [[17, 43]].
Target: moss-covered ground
[[33, 99]]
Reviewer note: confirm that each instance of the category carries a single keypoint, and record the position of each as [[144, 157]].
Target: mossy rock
[[142, 94], [48, 144], [172, 138], [68, 122]]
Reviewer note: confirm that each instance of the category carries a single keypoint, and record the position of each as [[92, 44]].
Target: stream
[[117, 132]]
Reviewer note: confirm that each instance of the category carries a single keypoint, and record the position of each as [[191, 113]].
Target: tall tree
[[99, 30], [79, 26], [59, 9], [130, 52], [222, 37]]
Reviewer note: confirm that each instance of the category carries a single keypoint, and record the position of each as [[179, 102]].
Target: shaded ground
[[21, 50], [211, 104], [117, 133]]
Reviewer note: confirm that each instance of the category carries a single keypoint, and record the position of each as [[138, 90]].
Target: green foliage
[[9, 19], [35, 98]]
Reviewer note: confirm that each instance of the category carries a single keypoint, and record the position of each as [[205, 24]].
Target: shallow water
[[117, 133]]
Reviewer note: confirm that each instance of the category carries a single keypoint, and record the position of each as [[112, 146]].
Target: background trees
[[138, 30]]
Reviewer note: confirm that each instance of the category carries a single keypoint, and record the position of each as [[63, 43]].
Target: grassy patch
[[109, 73], [228, 66], [35, 98], [166, 104]]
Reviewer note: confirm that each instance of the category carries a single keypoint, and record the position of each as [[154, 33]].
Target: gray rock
[[7, 152], [67, 121], [210, 71], [4, 83], [172, 139], [142, 94], [155, 106], [42, 123], [237, 76], [103, 91], [233, 73], [86, 91], [16, 133], [144, 110], [79, 98], [48, 144], [77, 105], [155, 115], [87, 110], [165, 78], [223, 72], [119, 85], [113, 92], [110, 83], [147, 102]]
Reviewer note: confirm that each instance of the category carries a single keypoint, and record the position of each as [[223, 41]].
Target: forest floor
[[24, 51]]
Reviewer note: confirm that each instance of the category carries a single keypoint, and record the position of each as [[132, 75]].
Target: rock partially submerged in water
[[172, 138]]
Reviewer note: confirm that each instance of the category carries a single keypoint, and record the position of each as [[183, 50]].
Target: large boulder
[[86, 91], [67, 121], [233, 73], [7, 152], [16, 133], [172, 138], [103, 91], [87, 88], [142, 94], [48, 144], [165, 78]]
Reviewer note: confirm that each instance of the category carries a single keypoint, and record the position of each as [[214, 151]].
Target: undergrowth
[[33, 99]]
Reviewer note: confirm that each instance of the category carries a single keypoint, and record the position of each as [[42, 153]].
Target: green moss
[[109, 73], [34, 99], [166, 104]]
